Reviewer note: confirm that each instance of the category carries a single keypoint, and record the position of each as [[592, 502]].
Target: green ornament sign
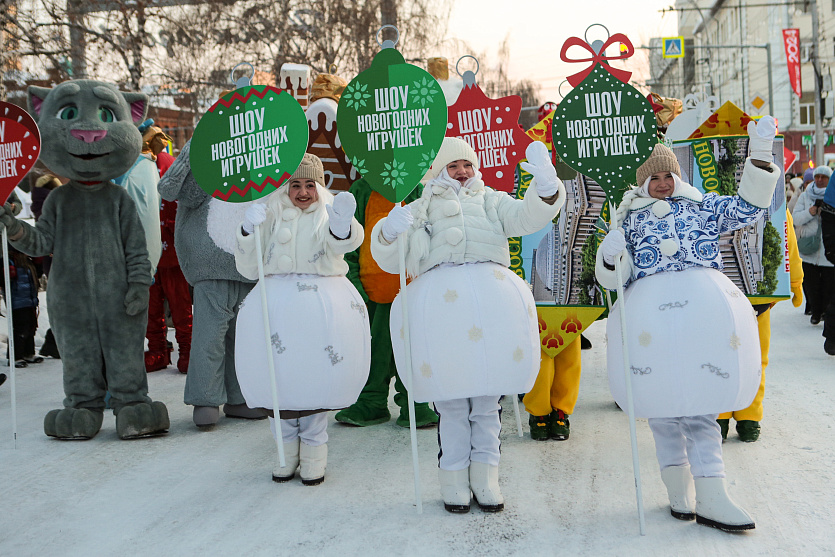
[[392, 119], [248, 143], [605, 129]]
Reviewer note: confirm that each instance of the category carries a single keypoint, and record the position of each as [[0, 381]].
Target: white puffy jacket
[[806, 224], [468, 226], [297, 241]]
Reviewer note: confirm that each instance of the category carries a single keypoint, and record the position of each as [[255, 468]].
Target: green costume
[[378, 289]]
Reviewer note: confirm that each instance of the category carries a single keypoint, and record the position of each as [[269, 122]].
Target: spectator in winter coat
[[24, 303], [818, 272]]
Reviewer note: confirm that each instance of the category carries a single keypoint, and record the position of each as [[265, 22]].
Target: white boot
[[484, 481], [314, 460], [455, 490], [681, 490], [715, 508], [283, 474]]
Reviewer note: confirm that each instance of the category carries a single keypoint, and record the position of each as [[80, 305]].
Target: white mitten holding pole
[[397, 222], [253, 216], [539, 165], [341, 213], [761, 135], [612, 245]]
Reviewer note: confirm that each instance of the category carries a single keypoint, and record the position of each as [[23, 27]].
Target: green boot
[[748, 430], [362, 415], [424, 416], [539, 427], [558, 425], [724, 425]]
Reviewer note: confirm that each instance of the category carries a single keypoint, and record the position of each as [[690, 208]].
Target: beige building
[[716, 63]]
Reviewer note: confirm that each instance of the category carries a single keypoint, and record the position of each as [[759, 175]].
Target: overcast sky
[[538, 28]]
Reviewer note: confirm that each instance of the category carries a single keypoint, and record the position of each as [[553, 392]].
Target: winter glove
[[397, 222], [612, 245], [761, 135], [7, 220], [539, 165], [341, 213], [136, 300], [797, 294], [254, 215]]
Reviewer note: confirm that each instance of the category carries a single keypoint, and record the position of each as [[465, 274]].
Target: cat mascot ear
[[36, 95], [138, 106]]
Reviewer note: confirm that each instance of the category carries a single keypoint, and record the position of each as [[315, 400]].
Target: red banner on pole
[[791, 40]]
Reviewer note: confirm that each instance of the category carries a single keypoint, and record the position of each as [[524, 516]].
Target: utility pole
[[819, 107]]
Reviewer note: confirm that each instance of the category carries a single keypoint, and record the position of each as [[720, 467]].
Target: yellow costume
[[555, 391]]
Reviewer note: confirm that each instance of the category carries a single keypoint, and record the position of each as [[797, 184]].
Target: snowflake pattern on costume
[[498, 274], [672, 305], [276, 342], [694, 226], [640, 371], [451, 296], [735, 341], [518, 354], [426, 370], [475, 334], [302, 287], [335, 358], [645, 339]]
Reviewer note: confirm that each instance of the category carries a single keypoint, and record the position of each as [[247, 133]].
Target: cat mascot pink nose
[[89, 136]]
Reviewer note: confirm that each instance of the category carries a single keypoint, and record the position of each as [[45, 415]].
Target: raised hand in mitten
[[397, 222], [539, 165], [136, 300], [253, 216], [612, 245], [341, 213], [761, 137]]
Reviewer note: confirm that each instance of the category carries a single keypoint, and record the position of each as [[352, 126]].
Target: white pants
[[312, 430], [693, 439], [468, 430]]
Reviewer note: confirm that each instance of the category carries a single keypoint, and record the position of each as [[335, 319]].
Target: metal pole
[[819, 139], [770, 82]]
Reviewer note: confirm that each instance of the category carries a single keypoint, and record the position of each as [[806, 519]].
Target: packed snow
[[194, 491]]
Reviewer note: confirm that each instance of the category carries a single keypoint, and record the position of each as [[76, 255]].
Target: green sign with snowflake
[[605, 129], [391, 120]]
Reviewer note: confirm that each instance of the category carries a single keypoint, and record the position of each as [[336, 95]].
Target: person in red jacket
[[169, 282]]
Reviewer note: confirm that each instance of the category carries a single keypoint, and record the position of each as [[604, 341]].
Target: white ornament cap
[[661, 208]]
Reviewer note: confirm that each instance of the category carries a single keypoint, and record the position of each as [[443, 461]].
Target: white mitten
[[761, 134], [253, 216], [341, 213], [539, 165], [397, 222], [612, 245]]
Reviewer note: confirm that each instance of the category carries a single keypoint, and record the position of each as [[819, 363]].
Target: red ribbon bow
[[596, 58]]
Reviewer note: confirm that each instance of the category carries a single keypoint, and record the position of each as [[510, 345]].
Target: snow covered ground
[[210, 492]]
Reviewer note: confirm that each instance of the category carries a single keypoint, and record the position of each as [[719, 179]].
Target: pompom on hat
[[662, 159], [310, 169], [808, 175], [452, 149]]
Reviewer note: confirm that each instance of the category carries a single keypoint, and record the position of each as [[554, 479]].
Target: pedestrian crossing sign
[[672, 47]]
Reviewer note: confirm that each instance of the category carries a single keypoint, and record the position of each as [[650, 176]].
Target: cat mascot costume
[[98, 285]]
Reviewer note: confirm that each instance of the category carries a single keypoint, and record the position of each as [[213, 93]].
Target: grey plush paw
[[142, 420], [73, 423], [205, 416]]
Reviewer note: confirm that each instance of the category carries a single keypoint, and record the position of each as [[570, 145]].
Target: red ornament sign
[[20, 145], [491, 127]]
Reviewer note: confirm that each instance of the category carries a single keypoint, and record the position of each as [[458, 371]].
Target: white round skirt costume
[[321, 343], [473, 330], [693, 345]]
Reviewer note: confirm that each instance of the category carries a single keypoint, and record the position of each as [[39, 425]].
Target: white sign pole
[[8, 283]]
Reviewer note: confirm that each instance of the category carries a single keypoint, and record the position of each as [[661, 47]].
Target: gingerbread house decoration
[[295, 79], [323, 141]]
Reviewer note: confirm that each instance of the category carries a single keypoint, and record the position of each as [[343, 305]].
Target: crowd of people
[[335, 259]]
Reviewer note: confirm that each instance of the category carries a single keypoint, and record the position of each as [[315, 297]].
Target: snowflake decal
[[423, 92], [735, 341], [359, 165], [356, 95], [475, 334], [395, 173], [518, 354], [644, 339], [427, 159], [451, 296], [426, 370]]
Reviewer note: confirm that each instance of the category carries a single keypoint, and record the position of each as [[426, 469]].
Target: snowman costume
[[473, 327], [692, 334], [319, 326]]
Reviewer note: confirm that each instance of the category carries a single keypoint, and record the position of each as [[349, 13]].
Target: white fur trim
[[661, 208], [223, 221]]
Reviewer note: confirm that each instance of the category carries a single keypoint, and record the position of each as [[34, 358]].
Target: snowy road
[[210, 492]]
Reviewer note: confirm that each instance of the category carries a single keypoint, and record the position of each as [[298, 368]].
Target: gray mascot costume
[[204, 237], [98, 291]]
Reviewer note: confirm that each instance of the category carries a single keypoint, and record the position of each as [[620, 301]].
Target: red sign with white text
[[491, 127], [791, 40], [20, 145]]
